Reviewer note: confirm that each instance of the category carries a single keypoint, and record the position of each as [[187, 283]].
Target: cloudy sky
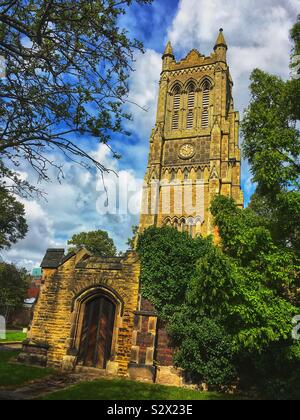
[[257, 33]]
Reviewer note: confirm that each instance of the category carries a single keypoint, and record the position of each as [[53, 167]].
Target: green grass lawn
[[14, 336], [119, 390], [12, 375]]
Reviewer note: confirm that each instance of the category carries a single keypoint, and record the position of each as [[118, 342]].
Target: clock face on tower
[[186, 151]]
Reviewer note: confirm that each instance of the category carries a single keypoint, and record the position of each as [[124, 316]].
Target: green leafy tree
[[246, 289], [271, 140], [294, 84], [168, 265], [13, 286], [272, 146], [97, 242], [13, 226], [168, 260], [204, 348], [295, 35], [67, 65], [251, 310]]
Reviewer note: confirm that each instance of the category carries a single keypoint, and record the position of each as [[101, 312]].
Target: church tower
[[194, 148]]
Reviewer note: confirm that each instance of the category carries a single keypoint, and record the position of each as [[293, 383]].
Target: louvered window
[[176, 109], [205, 106], [191, 106], [190, 120], [175, 124], [205, 118]]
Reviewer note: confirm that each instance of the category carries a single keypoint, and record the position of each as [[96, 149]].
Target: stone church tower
[[194, 148]]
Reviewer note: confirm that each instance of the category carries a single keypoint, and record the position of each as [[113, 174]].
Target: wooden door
[[97, 332]]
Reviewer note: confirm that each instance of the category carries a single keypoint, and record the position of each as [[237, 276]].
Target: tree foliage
[[13, 285], [204, 348], [13, 226], [243, 292], [168, 261], [295, 35], [271, 140], [294, 84], [272, 146], [251, 283], [67, 65], [97, 242]]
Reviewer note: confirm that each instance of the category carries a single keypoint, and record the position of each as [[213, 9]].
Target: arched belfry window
[[191, 106], [176, 107], [205, 104]]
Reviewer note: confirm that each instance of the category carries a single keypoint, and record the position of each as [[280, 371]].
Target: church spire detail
[[168, 56], [169, 50], [221, 46], [220, 42]]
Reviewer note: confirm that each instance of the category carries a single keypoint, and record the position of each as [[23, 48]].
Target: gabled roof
[[53, 258]]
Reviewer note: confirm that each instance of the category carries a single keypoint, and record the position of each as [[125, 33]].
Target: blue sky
[[258, 36]]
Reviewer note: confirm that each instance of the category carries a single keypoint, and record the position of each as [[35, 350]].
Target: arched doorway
[[97, 332]]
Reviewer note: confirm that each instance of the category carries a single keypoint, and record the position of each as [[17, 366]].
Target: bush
[[168, 260], [204, 350]]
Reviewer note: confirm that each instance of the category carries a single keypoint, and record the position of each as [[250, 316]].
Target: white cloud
[[40, 235], [198, 20], [257, 34], [144, 85], [71, 208]]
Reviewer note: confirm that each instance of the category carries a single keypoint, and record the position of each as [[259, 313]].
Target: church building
[[90, 313]]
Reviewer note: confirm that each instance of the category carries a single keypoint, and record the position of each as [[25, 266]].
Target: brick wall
[[151, 343], [164, 352]]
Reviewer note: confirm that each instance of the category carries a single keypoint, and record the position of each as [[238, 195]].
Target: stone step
[[95, 372]]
